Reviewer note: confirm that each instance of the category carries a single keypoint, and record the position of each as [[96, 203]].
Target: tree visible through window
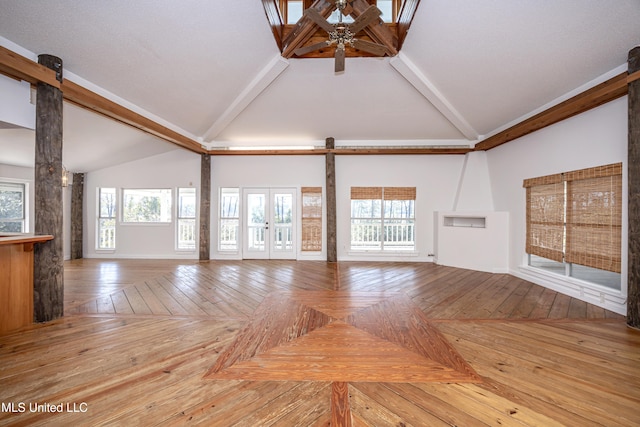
[[146, 205], [383, 219], [12, 207], [186, 218], [106, 218], [229, 219]]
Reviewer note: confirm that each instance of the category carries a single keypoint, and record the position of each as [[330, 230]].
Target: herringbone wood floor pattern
[[286, 343]]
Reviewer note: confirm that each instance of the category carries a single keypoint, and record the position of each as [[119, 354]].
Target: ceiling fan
[[342, 34]]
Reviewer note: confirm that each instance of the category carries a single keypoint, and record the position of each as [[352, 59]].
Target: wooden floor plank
[[151, 300], [136, 301], [121, 303], [140, 336]]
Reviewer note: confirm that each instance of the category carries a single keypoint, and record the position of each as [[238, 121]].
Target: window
[[146, 205], [186, 218], [293, 10], [229, 219], [12, 207], [574, 223], [311, 218], [383, 218], [106, 218]]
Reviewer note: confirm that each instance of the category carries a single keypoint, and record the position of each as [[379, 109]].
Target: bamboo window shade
[[576, 217], [311, 219], [545, 216], [399, 193], [386, 193], [594, 217], [366, 193]]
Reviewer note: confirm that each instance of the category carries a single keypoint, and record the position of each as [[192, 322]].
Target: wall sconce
[[65, 177]]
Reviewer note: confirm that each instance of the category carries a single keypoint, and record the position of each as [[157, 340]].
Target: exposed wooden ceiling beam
[[400, 150], [85, 98], [304, 28], [18, 67], [377, 30], [275, 20], [609, 90], [343, 151]]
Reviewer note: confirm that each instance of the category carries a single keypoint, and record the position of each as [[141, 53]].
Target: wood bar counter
[[16, 280]]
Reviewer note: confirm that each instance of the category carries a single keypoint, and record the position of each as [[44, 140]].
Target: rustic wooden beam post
[[332, 244], [77, 216], [48, 283], [633, 162], [205, 207]]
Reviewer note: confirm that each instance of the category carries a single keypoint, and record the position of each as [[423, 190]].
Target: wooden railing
[[187, 234], [394, 234]]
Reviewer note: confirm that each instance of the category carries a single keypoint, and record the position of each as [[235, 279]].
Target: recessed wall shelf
[[465, 221]]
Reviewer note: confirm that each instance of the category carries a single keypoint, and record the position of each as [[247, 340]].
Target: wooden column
[[205, 207], [48, 284], [633, 278], [77, 215], [332, 244]]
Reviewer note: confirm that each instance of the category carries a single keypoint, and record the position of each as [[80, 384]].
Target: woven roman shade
[[545, 216], [311, 218], [399, 193], [594, 217], [366, 193]]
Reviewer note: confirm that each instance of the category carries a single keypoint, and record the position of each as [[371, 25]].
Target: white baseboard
[[601, 296]]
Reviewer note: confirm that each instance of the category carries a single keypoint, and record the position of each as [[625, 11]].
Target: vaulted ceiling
[[212, 71]]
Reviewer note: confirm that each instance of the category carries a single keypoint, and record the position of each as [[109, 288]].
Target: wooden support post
[[633, 277], [77, 215], [205, 207], [332, 244], [48, 284]]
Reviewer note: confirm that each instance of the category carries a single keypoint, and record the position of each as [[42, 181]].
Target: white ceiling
[[211, 70]]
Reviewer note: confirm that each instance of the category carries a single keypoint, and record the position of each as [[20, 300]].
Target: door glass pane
[[256, 222], [283, 222]]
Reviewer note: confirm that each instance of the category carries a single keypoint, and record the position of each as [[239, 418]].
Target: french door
[[269, 223]]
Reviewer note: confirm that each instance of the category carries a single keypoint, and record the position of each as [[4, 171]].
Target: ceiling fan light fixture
[[343, 34]]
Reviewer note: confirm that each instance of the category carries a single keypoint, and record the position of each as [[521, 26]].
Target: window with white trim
[[383, 218], [13, 211], [107, 209], [186, 229], [229, 223]]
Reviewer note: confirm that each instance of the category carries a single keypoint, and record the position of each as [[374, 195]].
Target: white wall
[[436, 180], [178, 168], [596, 137], [16, 108]]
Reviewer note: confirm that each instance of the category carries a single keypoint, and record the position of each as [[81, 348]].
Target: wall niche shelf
[[477, 240], [465, 221]]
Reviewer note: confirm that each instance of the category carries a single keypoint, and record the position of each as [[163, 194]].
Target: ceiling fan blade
[[315, 16], [365, 18], [374, 48], [339, 66], [306, 49]]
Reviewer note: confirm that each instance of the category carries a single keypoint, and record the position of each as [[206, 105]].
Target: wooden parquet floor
[[261, 343]]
